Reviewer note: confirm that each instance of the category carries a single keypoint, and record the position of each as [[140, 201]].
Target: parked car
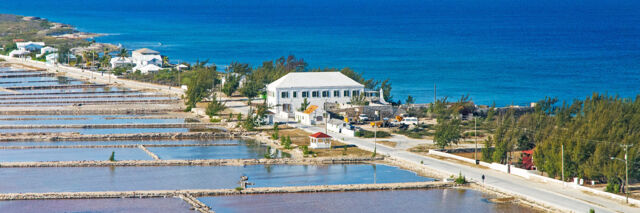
[[363, 117]]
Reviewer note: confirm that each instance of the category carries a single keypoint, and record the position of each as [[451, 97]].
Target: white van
[[410, 121]]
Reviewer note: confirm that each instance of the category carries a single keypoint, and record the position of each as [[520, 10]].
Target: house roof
[[320, 135], [121, 60], [29, 43], [150, 67], [314, 80], [18, 52], [146, 51]]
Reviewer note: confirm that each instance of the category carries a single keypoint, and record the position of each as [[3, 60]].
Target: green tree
[[251, 89], [409, 100], [359, 100], [304, 105], [199, 84], [231, 84], [215, 106], [447, 132]]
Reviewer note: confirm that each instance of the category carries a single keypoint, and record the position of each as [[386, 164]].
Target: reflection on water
[[245, 150], [146, 205], [429, 200], [194, 177]]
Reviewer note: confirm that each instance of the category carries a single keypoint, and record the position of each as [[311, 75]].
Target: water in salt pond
[[146, 205], [406, 201], [73, 179]]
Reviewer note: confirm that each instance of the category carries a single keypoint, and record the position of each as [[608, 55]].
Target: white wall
[[274, 97]]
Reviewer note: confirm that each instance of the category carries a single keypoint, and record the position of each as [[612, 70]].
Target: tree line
[[585, 133]]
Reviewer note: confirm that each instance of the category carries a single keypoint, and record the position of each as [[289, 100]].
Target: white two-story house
[[146, 60], [286, 94]]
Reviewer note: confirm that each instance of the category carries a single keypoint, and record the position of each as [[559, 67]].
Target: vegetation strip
[[222, 192], [114, 146], [209, 162]]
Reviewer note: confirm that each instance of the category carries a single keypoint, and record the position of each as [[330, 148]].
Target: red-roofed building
[[319, 140], [527, 160]]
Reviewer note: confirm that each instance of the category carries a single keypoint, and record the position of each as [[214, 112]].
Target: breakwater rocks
[[221, 192], [137, 136], [195, 203], [210, 162], [153, 155]]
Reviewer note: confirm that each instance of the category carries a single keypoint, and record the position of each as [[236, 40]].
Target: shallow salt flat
[[74, 179], [146, 205]]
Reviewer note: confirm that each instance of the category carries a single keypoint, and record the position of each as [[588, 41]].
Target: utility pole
[[434, 93], [562, 156], [475, 135], [626, 170]]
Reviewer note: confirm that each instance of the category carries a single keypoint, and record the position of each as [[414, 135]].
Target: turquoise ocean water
[[507, 51]]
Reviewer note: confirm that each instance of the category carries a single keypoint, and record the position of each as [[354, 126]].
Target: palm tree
[[165, 61], [123, 53]]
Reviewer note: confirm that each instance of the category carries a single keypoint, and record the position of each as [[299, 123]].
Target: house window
[[295, 94], [356, 92], [336, 93], [314, 94], [325, 94], [346, 93], [305, 94], [284, 95]]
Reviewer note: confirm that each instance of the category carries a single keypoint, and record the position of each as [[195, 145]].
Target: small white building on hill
[[30, 45], [286, 94]]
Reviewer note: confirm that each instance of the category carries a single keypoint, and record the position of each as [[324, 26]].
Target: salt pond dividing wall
[[223, 192]]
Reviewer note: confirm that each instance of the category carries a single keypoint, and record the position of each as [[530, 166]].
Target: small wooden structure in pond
[[319, 140]]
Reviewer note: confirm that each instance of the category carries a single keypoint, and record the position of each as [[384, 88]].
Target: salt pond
[[427, 200], [73, 154], [73, 179], [146, 205]]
